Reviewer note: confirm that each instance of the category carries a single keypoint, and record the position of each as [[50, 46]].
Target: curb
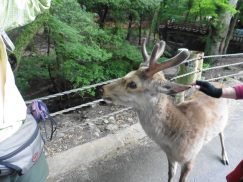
[[82, 156]]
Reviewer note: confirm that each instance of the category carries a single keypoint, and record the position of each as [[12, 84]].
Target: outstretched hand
[[209, 89]]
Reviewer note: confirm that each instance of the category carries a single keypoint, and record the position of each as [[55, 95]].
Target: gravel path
[[79, 127]]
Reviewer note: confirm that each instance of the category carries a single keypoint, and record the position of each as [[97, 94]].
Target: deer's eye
[[132, 85]]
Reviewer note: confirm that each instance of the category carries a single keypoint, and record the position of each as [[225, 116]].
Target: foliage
[[198, 11], [32, 67], [241, 13], [121, 11], [83, 53], [117, 69], [214, 14], [84, 48], [70, 12], [71, 44], [207, 65], [169, 12]]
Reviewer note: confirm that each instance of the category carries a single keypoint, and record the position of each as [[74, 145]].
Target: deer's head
[[146, 82]]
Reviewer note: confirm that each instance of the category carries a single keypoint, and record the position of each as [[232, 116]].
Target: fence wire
[[125, 109], [206, 69], [122, 110], [109, 81], [77, 107], [71, 91], [214, 56], [226, 76]]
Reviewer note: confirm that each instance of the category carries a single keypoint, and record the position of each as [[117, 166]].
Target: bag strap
[[53, 125], [9, 44], [12, 167], [40, 112]]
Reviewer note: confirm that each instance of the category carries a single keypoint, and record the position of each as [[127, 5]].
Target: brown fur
[[180, 130]]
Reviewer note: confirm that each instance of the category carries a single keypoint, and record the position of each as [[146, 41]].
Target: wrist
[[218, 92], [229, 93]]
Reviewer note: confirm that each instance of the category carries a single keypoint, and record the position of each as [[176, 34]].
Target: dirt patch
[[86, 125]]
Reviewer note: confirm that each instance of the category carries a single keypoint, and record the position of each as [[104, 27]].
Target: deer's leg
[[185, 169], [172, 165], [225, 159]]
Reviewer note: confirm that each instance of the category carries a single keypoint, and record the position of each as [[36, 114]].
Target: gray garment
[[38, 173], [22, 150]]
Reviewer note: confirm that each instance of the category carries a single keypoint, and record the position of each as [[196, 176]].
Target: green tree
[[216, 14], [220, 26], [81, 53], [123, 12]]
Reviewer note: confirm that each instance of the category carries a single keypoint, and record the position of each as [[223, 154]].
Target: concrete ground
[[143, 161]]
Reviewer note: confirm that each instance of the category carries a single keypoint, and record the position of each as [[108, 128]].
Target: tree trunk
[[48, 41], [103, 16], [218, 37], [129, 29], [230, 33], [232, 25], [213, 42], [154, 23], [140, 29], [189, 7]]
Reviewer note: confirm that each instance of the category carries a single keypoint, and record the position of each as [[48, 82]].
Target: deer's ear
[[171, 88]]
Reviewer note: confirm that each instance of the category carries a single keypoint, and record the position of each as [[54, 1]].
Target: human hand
[[209, 89]]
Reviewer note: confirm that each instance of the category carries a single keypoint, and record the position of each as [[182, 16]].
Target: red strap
[[237, 174]]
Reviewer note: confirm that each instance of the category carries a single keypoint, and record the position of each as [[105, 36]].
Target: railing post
[[187, 68]]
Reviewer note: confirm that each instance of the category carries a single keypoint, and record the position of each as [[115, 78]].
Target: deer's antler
[[146, 57], [158, 50]]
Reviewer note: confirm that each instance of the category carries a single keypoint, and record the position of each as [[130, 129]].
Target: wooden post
[[187, 68]]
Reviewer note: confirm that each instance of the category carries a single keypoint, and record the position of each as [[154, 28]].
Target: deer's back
[[205, 118], [206, 115]]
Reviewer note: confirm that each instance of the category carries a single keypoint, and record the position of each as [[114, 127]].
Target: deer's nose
[[100, 91]]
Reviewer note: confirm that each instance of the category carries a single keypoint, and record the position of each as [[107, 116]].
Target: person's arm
[[229, 92]]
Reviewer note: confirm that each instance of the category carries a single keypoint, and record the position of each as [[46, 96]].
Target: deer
[[180, 130]]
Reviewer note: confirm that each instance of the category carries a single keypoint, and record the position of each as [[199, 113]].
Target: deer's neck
[[161, 118]]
